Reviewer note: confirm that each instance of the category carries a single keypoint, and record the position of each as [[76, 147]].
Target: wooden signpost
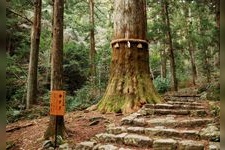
[[57, 103], [57, 107]]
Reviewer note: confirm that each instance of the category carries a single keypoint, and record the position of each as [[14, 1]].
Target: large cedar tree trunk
[[130, 84], [57, 66], [33, 64], [174, 82]]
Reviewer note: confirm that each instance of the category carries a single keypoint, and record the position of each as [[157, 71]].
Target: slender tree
[[171, 50], [129, 86], [163, 62], [33, 64], [57, 66], [190, 46], [217, 16], [92, 41]]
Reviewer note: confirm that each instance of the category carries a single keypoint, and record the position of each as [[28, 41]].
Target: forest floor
[[28, 134], [81, 126]]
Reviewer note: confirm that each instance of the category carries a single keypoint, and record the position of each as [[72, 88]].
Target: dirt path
[[77, 123]]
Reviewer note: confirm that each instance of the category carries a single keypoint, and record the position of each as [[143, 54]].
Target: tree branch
[[24, 17]]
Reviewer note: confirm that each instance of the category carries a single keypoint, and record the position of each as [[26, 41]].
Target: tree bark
[[57, 66], [92, 42], [163, 57], [217, 64], [129, 86], [33, 64], [207, 65], [190, 44], [193, 66], [174, 82]]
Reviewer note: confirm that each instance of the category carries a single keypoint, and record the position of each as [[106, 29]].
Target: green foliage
[[161, 84], [75, 66], [83, 98], [197, 28], [16, 82], [215, 109]]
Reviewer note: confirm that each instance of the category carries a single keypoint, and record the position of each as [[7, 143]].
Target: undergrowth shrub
[[83, 98], [161, 84]]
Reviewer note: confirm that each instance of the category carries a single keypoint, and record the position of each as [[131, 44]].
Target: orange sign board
[[57, 103]]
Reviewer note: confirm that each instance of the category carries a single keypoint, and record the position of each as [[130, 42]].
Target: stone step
[[184, 103], [190, 145], [150, 111], [171, 144], [170, 106], [183, 99], [124, 138], [88, 145], [136, 140], [166, 121], [157, 144], [156, 131]]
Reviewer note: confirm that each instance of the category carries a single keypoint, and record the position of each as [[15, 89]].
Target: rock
[[138, 140], [118, 114], [151, 131], [92, 108], [195, 122], [105, 137], [190, 145], [96, 118], [169, 111], [10, 145], [64, 146], [137, 130], [139, 122], [127, 120], [94, 123], [214, 146], [203, 95], [47, 144], [87, 145], [86, 111], [164, 144], [199, 113], [107, 147], [161, 132], [60, 140], [190, 134], [116, 130], [136, 115], [211, 132], [120, 137]]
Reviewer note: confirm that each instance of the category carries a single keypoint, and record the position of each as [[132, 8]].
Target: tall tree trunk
[[193, 66], [33, 64], [218, 30], [130, 85], [57, 66], [163, 57], [190, 44], [171, 50], [207, 65], [92, 42], [48, 72]]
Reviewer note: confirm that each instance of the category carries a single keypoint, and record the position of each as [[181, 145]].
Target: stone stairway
[[182, 123]]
